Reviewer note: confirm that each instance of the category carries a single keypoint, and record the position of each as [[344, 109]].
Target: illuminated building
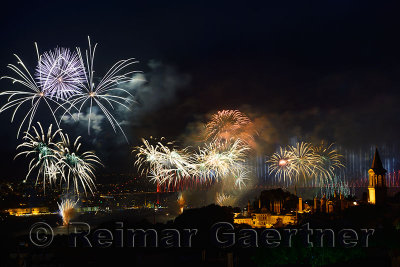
[[28, 211], [377, 189], [264, 218]]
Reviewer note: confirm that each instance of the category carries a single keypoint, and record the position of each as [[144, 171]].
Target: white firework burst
[[31, 96], [60, 73], [108, 93], [44, 150], [76, 167]]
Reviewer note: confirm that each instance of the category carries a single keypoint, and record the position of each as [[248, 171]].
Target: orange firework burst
[[67, 210], [230, 124]]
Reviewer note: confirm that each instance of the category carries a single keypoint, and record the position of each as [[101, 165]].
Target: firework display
[[281, 163], [56, 159], [220, 160], [336, 187], [162, 163], [305, 161], [44, 150], [77, 168], [32, 96], [66, 210], [64, 80], [230, 124], [222, 199], [213, 162], [60, 73], [200, 134], [328, 160], [107, 93]]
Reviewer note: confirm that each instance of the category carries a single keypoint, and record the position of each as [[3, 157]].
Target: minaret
[[323, 203], [377, 189], [315, 204], [300, 205]]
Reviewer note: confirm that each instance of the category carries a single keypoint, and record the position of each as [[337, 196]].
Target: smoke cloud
[[82, 120], [151, 92], [155, 90]]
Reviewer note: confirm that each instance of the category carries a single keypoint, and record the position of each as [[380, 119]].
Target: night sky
[[311, 69]]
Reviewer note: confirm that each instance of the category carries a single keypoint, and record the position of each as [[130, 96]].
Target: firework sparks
[[241, 176], [107, 93], [76, 167], [44, 151], [147, 155], [328, 160], [65, 81], [336, 186], [162, 163], [66, 209], [216, 160], [281, 163], [213, 162], [212, 158], [222, 199], [59, 73], [33, 95], [230, 124], [305, 160]]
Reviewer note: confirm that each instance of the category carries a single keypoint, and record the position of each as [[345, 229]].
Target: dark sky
[[315, 69]]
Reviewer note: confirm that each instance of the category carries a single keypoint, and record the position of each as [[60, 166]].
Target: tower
[[315, 204], [248, 208], [377, 189], [300, 204], [323, 203]]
